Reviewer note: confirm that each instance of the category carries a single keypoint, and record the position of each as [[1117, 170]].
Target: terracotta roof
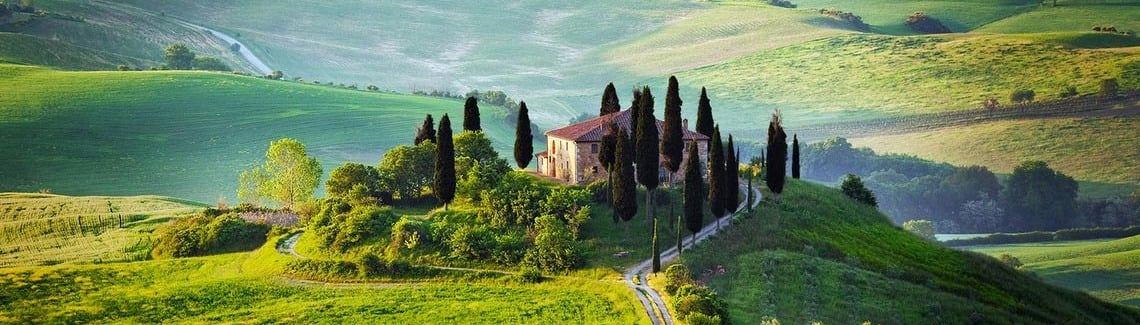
[[593, 129], [541, 154]]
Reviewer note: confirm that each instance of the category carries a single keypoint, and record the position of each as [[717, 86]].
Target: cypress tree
[[607, 153], [672, 144], [716, 176], [444, 183], [694, 193], [524, 140], [648, 157], [656, 250], [705, 123], [731, 180], [623, 186], [426, 132], [777, 165], [634, 114], [795, 156], [471, 115], [610, 103]]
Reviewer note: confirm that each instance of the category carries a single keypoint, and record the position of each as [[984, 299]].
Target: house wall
[[561, 153], [588, 161]]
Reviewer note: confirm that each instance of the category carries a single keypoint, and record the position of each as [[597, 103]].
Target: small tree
[[444, 183], [345, 177], [210, 64], [705, 122], [795, 157], [694, 193], [607, 156], [923, 23], [426, 132], [405, 170], [470, 115], [716, 176], [288, 176], [524, 140], [610, 103], [853, 187], [922, 228], [179, 57]]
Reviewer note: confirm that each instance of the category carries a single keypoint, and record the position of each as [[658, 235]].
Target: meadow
[[1106, 269], [189, 134], [1068, 145], [45, 229]]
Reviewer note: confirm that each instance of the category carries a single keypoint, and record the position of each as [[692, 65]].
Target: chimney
[[685, 123]]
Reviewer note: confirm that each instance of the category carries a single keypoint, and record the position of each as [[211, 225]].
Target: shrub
[[853, 187], [676, 275], [922, 228], [409, 233], [1022, 96], [554, 248], [471, 243], [209, 232], [697, 318], [1010, 260], [782, 3], [850, 18], [529, 274], [1070, 91], [369, 265], [321, 269], [923, 23]]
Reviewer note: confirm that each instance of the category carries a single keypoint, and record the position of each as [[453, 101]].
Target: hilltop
[[818, 255], [188, 134]]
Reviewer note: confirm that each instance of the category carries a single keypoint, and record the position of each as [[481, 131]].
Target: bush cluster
[[1044, 236], [693, 302], [340, 225], [923, 23], [1022, 96], [850, 18], [782, 3], [210, 232]]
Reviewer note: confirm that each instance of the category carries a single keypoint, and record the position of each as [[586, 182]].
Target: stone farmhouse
[[572, 151]]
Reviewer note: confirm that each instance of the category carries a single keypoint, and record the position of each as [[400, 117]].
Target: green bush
[[1002, 238], [922, 228], [853, 187], [470, 242], [209, 232], [676, 275], [1010, 260], [410, 233], [697, 318], [322, 269], [529, 274], [339, 226], [554, 247], [369, 265]]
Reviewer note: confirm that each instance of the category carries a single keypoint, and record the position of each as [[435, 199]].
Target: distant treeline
[[1044, 236]]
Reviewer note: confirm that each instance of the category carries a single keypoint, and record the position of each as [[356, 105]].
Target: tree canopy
[[443, 185], [344, 178], [606, 154], [731, 177], [777, 165], [426, 132], [179, 57], [405, 170], [705, 122], [694, 192], [795, 156], [470, 115], [624, 186], [610, 103], [1038, 198], [524, 139], [647, 143], [672, 143], [716, 175], [288, 176]]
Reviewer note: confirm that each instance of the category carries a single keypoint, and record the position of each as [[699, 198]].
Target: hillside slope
[[189, 134], [818, 255], [1107, 269]]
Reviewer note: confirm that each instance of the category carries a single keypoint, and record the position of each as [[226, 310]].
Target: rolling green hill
[[189, 134], [44, 229], [819, 256], [1107, 269]]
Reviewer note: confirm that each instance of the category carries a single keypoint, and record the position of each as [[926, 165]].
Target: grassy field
[[888, 16], [1071, 16], [1105, 268], [44, 229], [1068, 145], [819, 256], [189, 134], [243, 287]]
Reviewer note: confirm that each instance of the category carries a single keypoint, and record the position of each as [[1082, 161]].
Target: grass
[[1068, 145], [240, 288], [1105, 268], [1070, 16], [888, 16], [17, 48], [189, 134], [817, 255], [44, 229]]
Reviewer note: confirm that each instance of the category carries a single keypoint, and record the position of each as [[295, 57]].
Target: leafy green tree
[[405, 170], [345, 177], [1038, 198], [716, 176], [474, 145], [288, 176], [647, 156], [278, 75], [694, 192], [922, 228], [444, 183], [777, 155], [610, 103], [524, 140], [470, 115], [795, 156], [731, 177], [426, 132], [554, 248], [624, 187], [210, 64], [705, 122], [853, 187], [482, 176], [179, 57]]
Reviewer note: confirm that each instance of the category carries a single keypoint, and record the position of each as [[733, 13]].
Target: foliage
[[409, 233], [698, 318], [608, 146], [443, 183], [672, 143], [517, 200], [694, 192], [482, 176], [1010, 260], [1038, 198], [474, 145], [1022, 96], [208, 233], [210, 64], [705, 123], [471, 242], [288, 176], [554, 247], [716, 175], [731, 177], [340, 226], [275, 75], [1130, 76], [345, 177], [571, 205], [676, 276], [624, 189], [524, 140], [1109, 88], [425, 132], [847, 17], [179, 57], [470, 115], [921, 228], [923, 23], [782, 3], [647, 143], [692, 298], [610, 102], [406, 170], [853, 187], [795, 156], [777, 163]]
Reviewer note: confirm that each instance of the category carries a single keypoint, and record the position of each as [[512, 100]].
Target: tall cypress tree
[[624, 187], [795, 156], [444, 183], [704, 115], [607, 155], [716, 176], [672, 144], [524, 140], [471, 115], [426, 132], [777, 164], [731, 180], [648, 156], [694, 192], [633, 112], [610, 103]]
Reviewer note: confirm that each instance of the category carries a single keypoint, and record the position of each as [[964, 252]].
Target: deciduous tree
[[405, 170], [524, 140], [288, 176], [444, 182], [344, 178], [1039, 198], [179, 57]]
